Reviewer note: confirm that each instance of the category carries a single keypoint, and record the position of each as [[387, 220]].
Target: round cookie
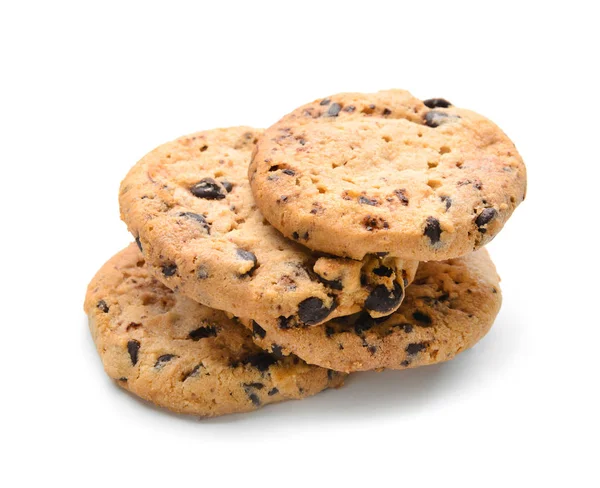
[[354, 174], [189, 205], [184, 356], [448, 308]]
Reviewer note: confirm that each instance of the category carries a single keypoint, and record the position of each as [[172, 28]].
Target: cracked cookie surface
[[184, 356], [355, 173], [189, 205], [449, 307]]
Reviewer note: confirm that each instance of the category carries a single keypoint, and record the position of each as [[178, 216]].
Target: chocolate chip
[[437, 103], [193, 373], [334, 110], [367, 201], [447, 200], [273, 391], [203, 333], [408, 328], [258, 386], [349, 108], [415, 348], [202, 272], [257, 330], [260, 361], [433, 230], [139, 243], [436, 118], [228, 186], [325, 101], [289, 172], [329, 331], [333, 284], [383, 300], [198, 218], [295, 235], [405, 363], [248, 256], [102, 306], [485, 217], [386, 111], [208, 189], [277, 351], [383, 271], [165, 358], [423, 318], [312, 310], [254, 399], [169, 269], [401, 194], [284, 322], [133, 348], [372, 349]]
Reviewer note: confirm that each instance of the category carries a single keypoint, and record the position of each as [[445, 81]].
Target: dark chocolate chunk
[[169, 269], [289, 172], [208, 189], [203, 333], [349, 108], [273, 391], [333, 284], [408, 328], [415, 348], [257, 386], [437, 103], [277, 351], [383, 300], [401, 194], [257, 330], [485, 217], [133, 348], [433, 230], [312, 310], [329, 331], [227, 185], [386, 111], [165, 358], [383, 271], [198, 218], [325, 101], [405, 363], [334, 110], [260, 361], [102, 306], [202, 272], [193, 373], [295, 235], [254, 399], [139, 243], [447, 200], [436, 118], [423, 319], [248, 256], [284, 322], [367, 201]]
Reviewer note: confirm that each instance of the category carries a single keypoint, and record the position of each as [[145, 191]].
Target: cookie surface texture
[[354, 174], [449, 307], [189, 205], [184, 356]]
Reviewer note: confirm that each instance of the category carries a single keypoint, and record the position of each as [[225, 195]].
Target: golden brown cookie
[[184, 356], [189, 205], [448, 308], [354, 174]]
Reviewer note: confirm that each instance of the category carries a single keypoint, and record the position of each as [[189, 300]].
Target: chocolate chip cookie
[[353, 174], [448, 308], [189, 205], [182, 355]]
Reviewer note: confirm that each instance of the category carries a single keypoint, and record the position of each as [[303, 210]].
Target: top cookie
[[354, 174], [189, 205]]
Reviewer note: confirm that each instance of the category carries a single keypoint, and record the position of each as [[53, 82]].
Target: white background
[[87, 90]]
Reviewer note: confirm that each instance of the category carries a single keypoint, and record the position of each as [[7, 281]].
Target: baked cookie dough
[[354, 174], [449, 307], [184, 356], [189, 205]]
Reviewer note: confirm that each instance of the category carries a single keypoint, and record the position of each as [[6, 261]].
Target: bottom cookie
[[182, 355], [448, 308]]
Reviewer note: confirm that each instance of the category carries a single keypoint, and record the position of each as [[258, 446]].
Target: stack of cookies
[[267, 265]]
